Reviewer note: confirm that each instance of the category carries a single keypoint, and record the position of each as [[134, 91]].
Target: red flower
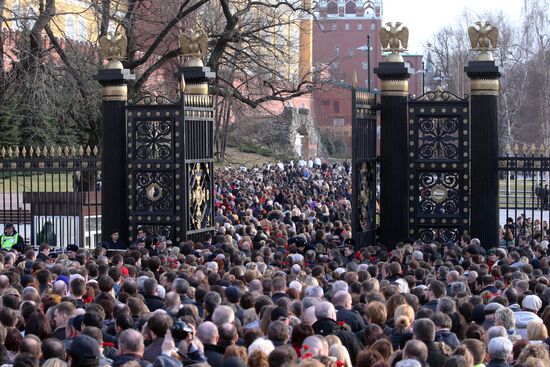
[[340, 363], [341, 323], [306, 347], [307, 355]]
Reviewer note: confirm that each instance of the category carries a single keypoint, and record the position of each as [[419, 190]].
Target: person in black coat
[[342, 303], [115, 243], [150, 295], [424, 330], [207, 332], [326, 325]]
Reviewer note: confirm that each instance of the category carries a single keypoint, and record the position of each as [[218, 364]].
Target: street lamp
[[367, 48]]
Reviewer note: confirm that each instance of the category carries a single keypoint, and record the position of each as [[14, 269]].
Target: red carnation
[[340, 363]]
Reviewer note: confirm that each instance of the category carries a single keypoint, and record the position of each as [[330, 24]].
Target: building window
[[70, 32], [365, 65], [346, 26], [338, 122], [325, 102], [336, 106], [350, 52], [337, 49], [359, 26], [334, 27], [82, 29], [322, 26], [373, 27]]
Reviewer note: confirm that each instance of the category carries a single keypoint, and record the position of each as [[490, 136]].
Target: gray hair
[[340, 285], [496, 331], [223, 314], [446, 305], [408, 363], [207, 333], [180, 285], [325, 310], [506, 318], [457, 288], [314, 291], [500, 347], [309, 301]]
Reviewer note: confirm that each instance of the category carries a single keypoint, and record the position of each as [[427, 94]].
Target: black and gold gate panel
[[439, 172]]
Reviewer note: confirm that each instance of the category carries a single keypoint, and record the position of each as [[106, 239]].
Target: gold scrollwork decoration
[[199, 194]]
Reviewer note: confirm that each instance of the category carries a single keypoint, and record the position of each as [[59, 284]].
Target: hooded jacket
[[523, 318]]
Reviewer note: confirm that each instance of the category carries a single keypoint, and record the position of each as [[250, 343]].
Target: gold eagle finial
[[395, 39], [483, 37], [194, 46], [114, 48]]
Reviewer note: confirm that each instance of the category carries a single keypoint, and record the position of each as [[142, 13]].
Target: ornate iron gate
[[439, 166]]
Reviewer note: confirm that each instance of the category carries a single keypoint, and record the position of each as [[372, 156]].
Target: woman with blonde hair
[[536, 332], [403, 320], [341, 354], [54, 362], [333, 340]]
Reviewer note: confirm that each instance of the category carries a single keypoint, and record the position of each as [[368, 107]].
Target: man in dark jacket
[[434, 292], [207, 332], [131, 348], [424, 330], [158, 326], [326, 325], [150, 291], [342, 303]]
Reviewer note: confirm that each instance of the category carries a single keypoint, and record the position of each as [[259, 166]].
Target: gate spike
[[66, 151], [31, 151], [73, 151], [59, 151], [16, 151], [52, 151], [508, 149], [24, 152], [95, 150], [80, 151], [45, 151], [533, 149], [10, 152], [524, 149], [3, 152], [88, 150], [516, 149], [38, 151]]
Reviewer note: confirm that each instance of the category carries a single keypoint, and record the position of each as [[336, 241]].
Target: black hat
[[233, 294], [84, 347], [278, 312], [8, 225], [73, 248], [77, 322]]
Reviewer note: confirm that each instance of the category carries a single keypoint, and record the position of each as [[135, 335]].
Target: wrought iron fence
[[524, 178], [52, 195]]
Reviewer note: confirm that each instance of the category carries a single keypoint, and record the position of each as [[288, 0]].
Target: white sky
[[425, 17]]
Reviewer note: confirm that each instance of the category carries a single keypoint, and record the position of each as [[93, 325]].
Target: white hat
[[532, 302]]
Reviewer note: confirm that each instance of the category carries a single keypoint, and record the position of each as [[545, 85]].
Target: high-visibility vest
[[9, 241]]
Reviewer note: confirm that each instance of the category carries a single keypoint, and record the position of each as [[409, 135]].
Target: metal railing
[[52, 194]]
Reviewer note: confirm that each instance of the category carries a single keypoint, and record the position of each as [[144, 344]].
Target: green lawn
[[47, 182]]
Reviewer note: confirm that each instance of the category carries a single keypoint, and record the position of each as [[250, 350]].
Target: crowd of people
[[280, 282]]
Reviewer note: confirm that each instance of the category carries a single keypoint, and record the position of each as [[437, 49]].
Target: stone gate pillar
[[484, 88], [394, 74], [114, 80]]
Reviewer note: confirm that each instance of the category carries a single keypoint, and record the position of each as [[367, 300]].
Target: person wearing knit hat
[[84, 351], [530, 305]]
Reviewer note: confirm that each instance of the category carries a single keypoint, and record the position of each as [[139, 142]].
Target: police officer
[[11, 240]]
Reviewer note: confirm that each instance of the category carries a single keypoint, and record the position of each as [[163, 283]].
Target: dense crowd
[[279, 283]]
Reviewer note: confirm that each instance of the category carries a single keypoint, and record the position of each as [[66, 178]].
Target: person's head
[[84, 351], [441, 321], [62, 312], [8, 229], [368, 357], [316, 345], [25, 360], [150, 287], [500, 348], [403, 316], [277, 332], [476, 349], [505, 317], [228, 333], [538, 351], [207, 333], [53, 348], [283, 356], [536, 330], [31, 345], [415, 349], [436, 290], [376, 313], [342, 299], [325, 310], [115, 236], [341, 354], [37, 324], [130, 341], [424, 330], [159, 324], [223, 314]]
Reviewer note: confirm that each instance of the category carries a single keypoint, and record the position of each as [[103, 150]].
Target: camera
[[181, 330]]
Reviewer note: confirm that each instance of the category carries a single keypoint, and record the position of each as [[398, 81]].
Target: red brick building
[[339, 38]]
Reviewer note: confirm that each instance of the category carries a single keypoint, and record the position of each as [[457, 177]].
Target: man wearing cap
[[530, 305], [115, 243], [489, 312], [11, 240], [84, 352]]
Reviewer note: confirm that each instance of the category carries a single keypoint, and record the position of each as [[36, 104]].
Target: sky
[[426, 17]]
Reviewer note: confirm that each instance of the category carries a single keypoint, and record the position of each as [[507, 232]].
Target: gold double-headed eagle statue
[[484, 38], [194, 46], [395, 39], [114, 48]]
